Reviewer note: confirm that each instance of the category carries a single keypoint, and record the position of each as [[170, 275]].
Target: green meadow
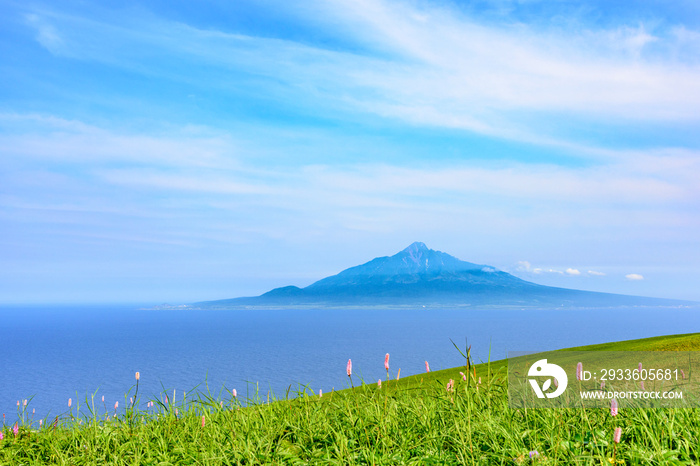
[[421, 419]]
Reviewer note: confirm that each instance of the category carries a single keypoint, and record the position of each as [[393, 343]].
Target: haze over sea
[[56, 353]]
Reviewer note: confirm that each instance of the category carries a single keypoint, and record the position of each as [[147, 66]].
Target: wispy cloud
[[46, 33], [434, 66], [634, 277]]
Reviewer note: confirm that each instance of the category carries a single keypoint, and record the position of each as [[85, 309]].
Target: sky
[[176, 151]]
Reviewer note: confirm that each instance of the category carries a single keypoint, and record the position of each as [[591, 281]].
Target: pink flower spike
[[25, 403], [348, 369], [379, 383], [613, 407], [234, 393], [70, 402], [427, 367], [15, 430], [639, 368], [617, 435], [386, 361], [166, 399], [103, 398], [40, 422], [464, 377], [682, 374], [320, 393], [579, 371], [642, 384], [202, 421], [451, 385], [116, 405], [2, 436]]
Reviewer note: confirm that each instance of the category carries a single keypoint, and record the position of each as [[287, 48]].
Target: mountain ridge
[[419, 276]]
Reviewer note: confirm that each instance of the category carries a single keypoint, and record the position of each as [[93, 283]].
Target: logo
[[542, 369]]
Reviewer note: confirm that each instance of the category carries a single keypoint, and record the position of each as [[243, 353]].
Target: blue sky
[[180, 151]]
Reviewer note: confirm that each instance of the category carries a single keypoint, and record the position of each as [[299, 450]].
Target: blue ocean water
[[50, 354]]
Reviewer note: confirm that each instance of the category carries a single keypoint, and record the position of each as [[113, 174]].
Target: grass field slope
[[454, 416]]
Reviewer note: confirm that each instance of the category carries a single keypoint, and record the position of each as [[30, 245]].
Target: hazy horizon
[[154, 152]]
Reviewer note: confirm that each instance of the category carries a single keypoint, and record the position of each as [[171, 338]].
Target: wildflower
[[221, 403], [70, 402], [427, 367], [2, 436], [639, 368], [116, 405], [642, 384], [682, 374], [579, 371], [617, 435], [131, 400], [320, 393], [40, 422], [202, 421], [15, 429], [464, 377], [534, 454], [479, 380], [379, 383], [138, 376], [386, 361], [451, 386], [613, 407], [348, 369], [234, 393], [25, 403], [177, 412], [103, 398], [167, 399]]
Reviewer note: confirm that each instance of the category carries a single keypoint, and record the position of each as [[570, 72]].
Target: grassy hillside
[[416, 420]]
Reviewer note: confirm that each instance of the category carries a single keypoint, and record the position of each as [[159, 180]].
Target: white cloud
[[573, 272], [523, 266], [436, 67], [46, 34], [634, 276], [596, 274]]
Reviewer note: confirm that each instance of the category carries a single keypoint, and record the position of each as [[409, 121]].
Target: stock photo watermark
[[592, 379]]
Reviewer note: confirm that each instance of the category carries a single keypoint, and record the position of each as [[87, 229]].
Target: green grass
[[413, 421]]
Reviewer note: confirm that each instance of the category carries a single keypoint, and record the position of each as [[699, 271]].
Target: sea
[[52, 353]]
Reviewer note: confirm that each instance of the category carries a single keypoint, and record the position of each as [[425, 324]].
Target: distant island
[[419, 277]]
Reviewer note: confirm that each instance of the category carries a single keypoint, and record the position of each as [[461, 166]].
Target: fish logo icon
[[542, 368]]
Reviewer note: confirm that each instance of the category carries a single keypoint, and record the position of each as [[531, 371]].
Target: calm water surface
[[52, 354]]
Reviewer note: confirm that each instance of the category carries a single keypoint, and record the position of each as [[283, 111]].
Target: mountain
[[418, 276]]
